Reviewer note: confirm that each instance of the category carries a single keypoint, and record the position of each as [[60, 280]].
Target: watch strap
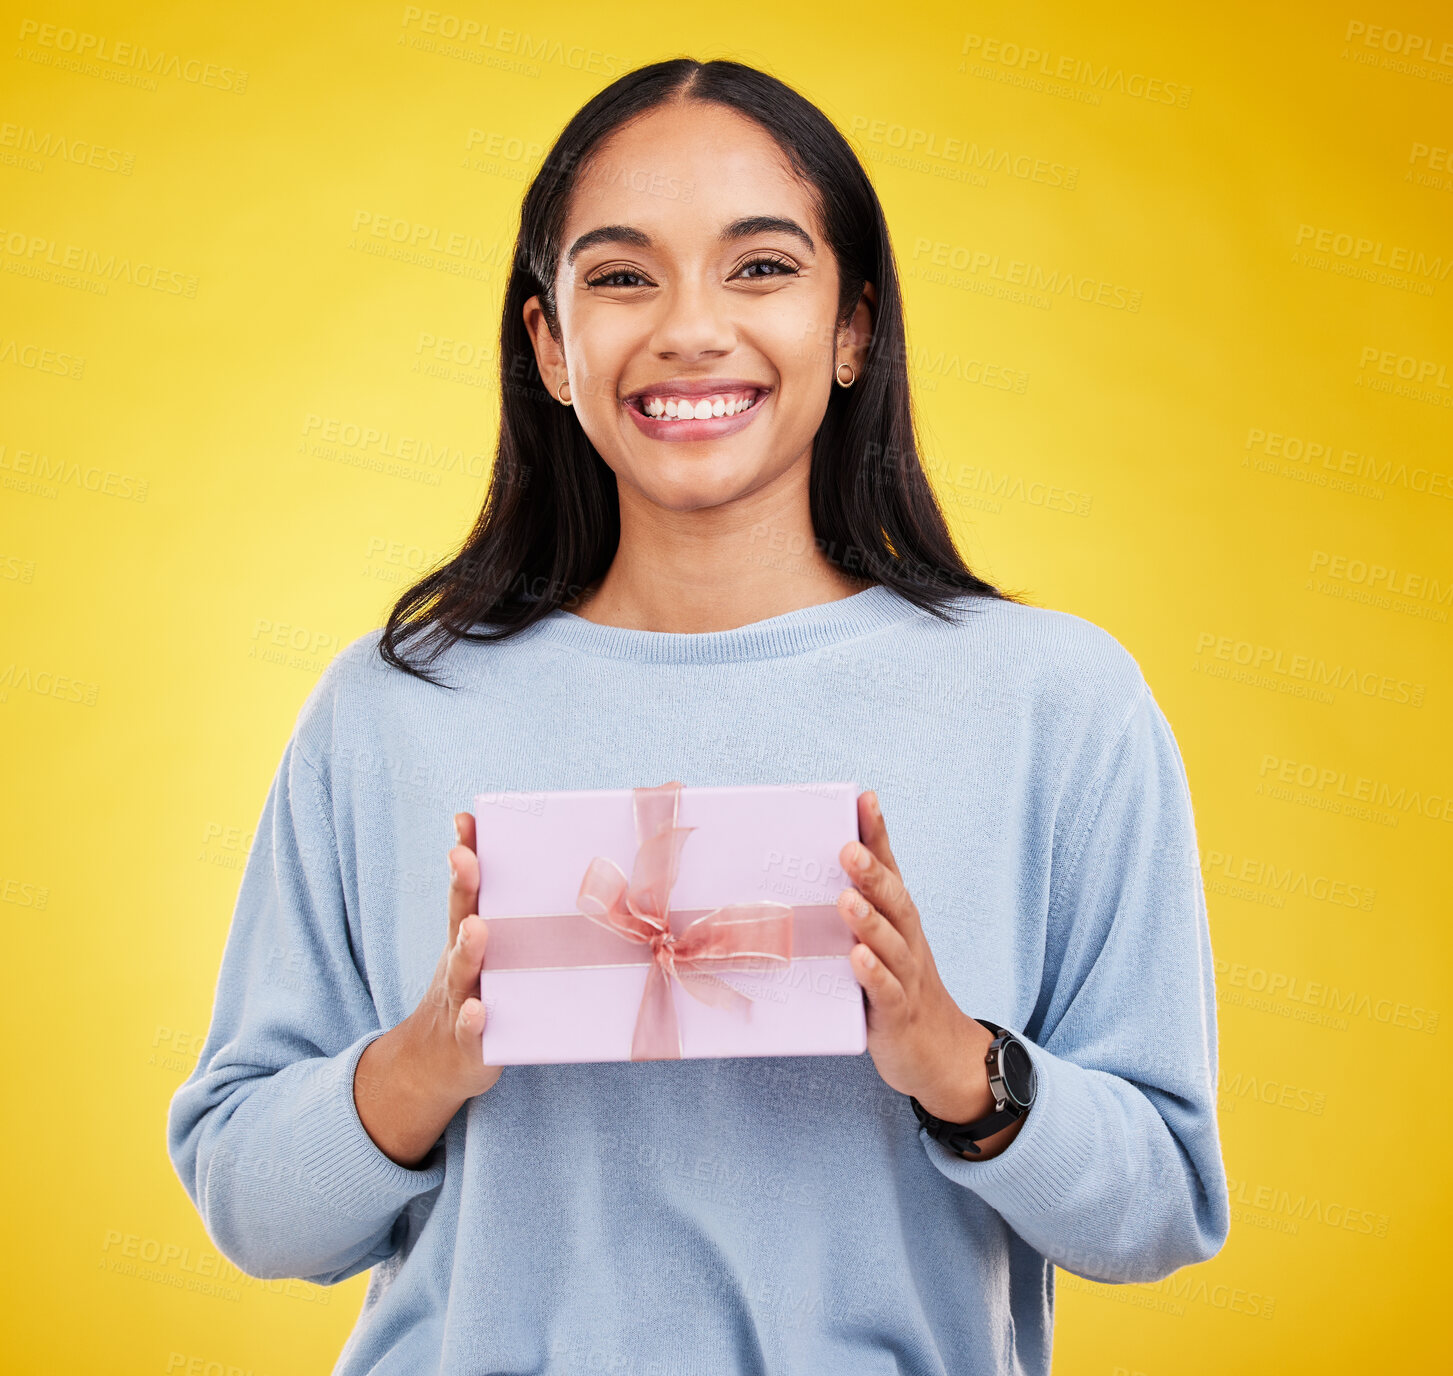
[[964, 1138]]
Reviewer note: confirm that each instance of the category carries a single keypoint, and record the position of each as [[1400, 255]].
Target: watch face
[[1019, 1076]]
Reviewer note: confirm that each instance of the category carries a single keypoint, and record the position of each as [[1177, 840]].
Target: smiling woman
[[698, 233], [709, 552]]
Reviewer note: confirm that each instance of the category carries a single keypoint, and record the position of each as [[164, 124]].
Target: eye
[[623, 277], [610, 278], [783, 268]]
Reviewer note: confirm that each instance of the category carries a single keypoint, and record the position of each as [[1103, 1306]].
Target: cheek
[[801, 340], [802, 357], [601, 345]]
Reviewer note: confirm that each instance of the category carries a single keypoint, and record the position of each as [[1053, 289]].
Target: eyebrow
[[743, 228]]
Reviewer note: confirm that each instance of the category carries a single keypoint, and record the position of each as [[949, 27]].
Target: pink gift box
[[577, 967]]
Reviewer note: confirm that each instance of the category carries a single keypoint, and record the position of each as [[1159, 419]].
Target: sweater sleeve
[[264, 1133], [1116, 1174]]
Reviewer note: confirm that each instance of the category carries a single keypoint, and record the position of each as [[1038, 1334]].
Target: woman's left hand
[[921, 1041]]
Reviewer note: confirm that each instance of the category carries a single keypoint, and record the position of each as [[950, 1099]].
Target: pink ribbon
[[736, 936]]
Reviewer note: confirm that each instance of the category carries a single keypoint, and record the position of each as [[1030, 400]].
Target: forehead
[[686, 167]]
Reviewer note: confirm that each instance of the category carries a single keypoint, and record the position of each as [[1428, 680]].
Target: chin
[[696, 495], [692, 484]]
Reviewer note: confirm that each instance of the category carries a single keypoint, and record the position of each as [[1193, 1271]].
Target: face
[[671, 300]]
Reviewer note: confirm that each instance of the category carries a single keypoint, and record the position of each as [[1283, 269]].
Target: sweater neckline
[[790, 633]]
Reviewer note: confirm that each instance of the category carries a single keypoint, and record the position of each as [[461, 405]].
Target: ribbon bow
[[736, 936]]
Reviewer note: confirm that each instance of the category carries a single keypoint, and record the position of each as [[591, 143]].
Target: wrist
[[958, 1089], [402, 1085], [427, 1063]]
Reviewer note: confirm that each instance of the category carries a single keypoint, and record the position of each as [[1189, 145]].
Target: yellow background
[[183, 558]]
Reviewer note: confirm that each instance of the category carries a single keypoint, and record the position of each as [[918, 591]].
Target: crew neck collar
[[791, 633]]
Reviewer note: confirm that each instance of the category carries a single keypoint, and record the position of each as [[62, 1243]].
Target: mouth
[[672, 405], [697, 411]]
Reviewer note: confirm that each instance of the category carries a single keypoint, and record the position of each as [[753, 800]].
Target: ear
[[549, 355], [858, 334]]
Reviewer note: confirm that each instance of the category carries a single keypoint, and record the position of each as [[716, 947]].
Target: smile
[[696, 408], [710, 416]]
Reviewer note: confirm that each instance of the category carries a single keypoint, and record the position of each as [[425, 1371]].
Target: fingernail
[[873, 803], [859, 905], [861, 856], [453, 873], [458, 830]]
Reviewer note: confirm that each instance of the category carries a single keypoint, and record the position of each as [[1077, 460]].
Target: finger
[[886, 999], [882, 887], [469, 1025], [468, 1031], [463, 886], [466, 959], [464, 829], [876, 932], [873, 830]]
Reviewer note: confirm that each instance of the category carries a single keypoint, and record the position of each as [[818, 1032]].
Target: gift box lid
[[752, 841]]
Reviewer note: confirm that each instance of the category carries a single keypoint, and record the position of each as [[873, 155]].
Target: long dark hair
[[550, 523]]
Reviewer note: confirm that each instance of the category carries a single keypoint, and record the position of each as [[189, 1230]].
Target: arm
[[1116, 1173], [265, 1133]]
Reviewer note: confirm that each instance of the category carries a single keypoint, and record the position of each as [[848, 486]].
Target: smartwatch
[[1013, 1083]]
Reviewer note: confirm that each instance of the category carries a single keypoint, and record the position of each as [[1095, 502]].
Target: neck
[[717, 568]]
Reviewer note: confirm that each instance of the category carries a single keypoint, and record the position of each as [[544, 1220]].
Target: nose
[[695, 322]]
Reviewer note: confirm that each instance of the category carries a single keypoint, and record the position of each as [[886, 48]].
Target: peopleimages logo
[[80, 152], [1317, 674], [1034, 277], [1405, 375], [1374, 253], [79, 49], [1317, 996], [1023, 58], [913, 141], [1281, 881], [1381, 585], [1415, 46], [467, 37], [1274, 1093], [1295, 1208], [21, 250], [1339, 784]]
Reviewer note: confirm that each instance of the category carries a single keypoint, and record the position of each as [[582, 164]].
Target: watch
[[1013, 1082]]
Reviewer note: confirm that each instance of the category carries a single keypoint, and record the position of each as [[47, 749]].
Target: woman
[[709, 553]]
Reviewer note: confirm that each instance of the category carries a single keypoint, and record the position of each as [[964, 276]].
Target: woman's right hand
[[412, 1080]]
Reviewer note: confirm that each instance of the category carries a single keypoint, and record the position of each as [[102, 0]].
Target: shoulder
[[349, 689], [1075, 706], [362, 702], [1053, 667]]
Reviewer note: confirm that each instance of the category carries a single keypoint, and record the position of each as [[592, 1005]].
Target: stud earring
[[852, 374], [564, 401]]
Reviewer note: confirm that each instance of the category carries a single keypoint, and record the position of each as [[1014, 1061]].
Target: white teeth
[[686, 408]]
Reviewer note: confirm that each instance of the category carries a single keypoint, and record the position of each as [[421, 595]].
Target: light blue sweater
[[773, 1215]]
